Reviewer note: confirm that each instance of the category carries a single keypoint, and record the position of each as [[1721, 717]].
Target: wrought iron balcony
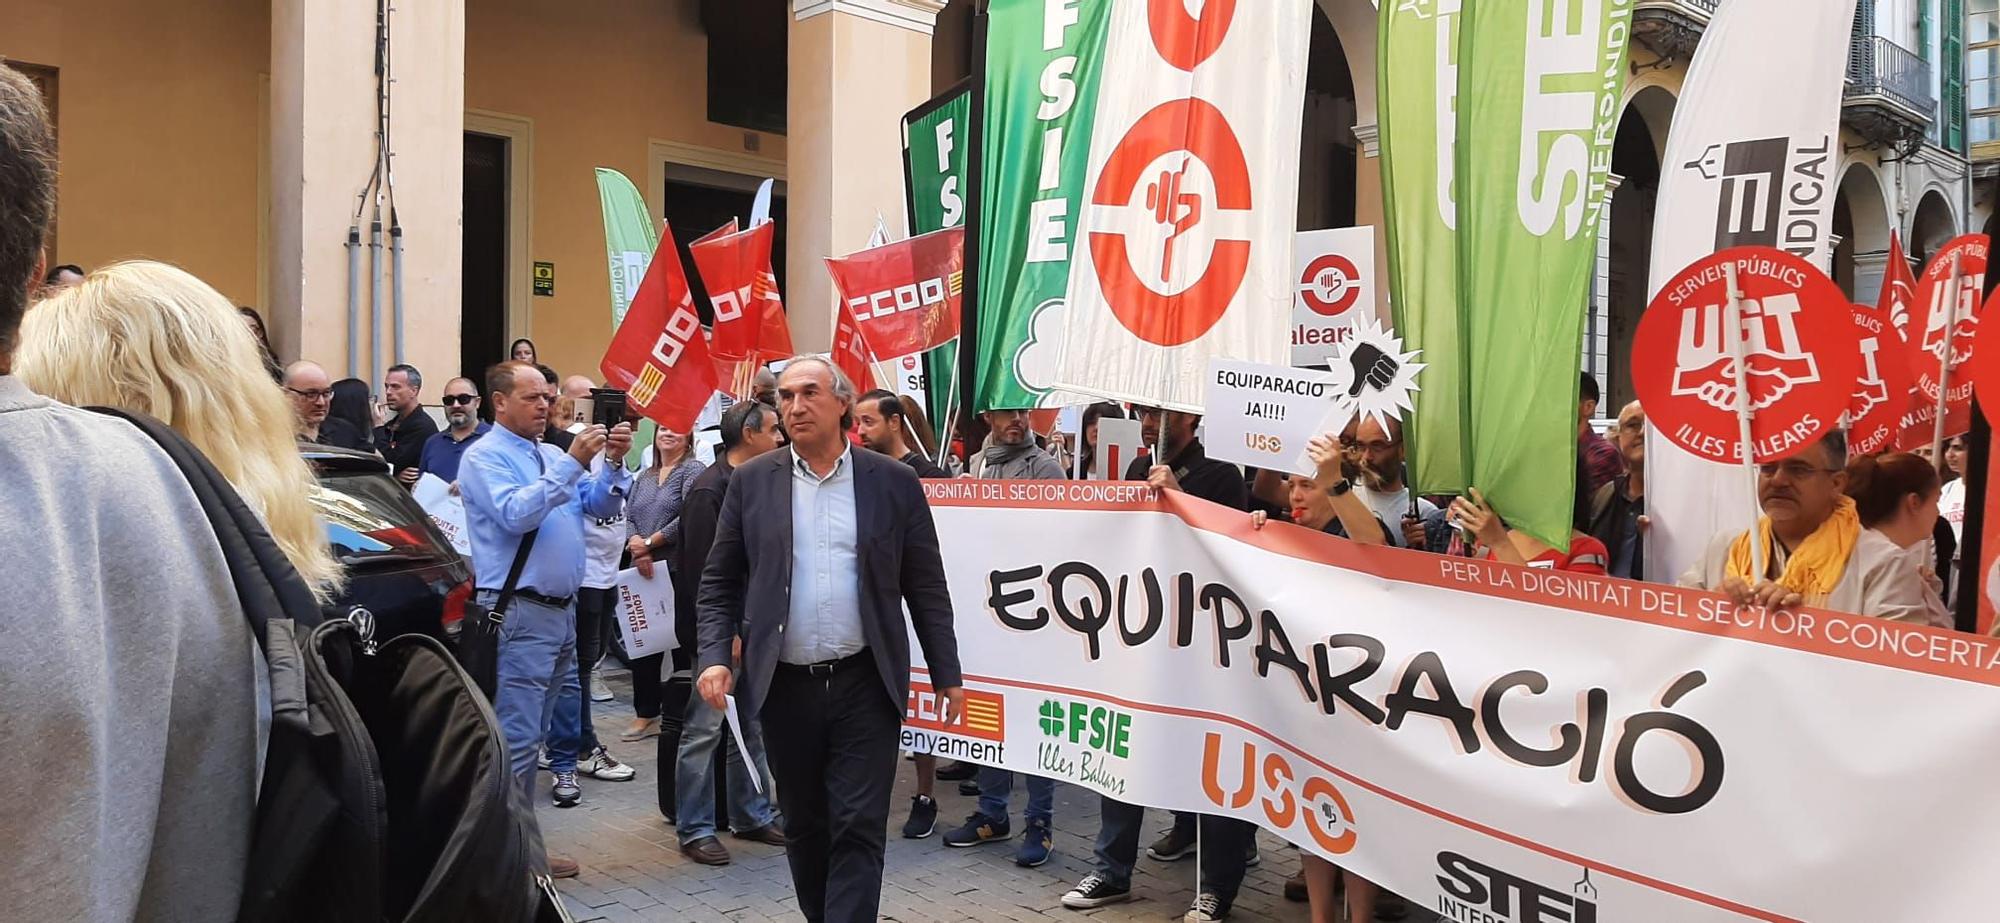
[[1888, 98], [1671, 27]]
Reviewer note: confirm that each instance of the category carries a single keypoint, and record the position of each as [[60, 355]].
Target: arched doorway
[[1861, 222], [1931, 228], [1635, 159], [1328, 151]]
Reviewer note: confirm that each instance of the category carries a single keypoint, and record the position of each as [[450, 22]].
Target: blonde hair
[[149, 337]]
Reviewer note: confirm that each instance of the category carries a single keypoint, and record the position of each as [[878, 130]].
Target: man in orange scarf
[[1814, 550]]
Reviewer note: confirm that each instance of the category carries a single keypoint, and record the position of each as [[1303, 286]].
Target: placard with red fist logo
[[1800, 356], [1336, 290], [1882, 389], [1939, 324]]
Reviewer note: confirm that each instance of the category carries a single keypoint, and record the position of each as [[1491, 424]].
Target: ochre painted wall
[[159, 110], [597, 88]]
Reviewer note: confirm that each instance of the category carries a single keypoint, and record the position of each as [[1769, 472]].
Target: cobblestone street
[[633, 868]]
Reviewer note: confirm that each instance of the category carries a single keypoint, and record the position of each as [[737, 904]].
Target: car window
[[371, 519]]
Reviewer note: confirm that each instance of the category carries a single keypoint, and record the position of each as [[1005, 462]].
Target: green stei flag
[[1416, 69], [1538, 87], [629, 242], [934, 145], [1036, 147]]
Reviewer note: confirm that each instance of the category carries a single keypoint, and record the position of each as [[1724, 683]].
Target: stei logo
[[1093, 726], [1474, 890]]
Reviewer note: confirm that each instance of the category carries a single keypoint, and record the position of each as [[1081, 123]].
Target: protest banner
[[1882, 392], [1262, 415], [659, 354], [1193, 182], [1539, 93], [936, 136], [1336, 290], [645, 612], [1941, 334], [1742, 166], [446, 509], [1040, 93], [904, 296], [1787, 326], [1469, 734], [1118, 442], [1416, 73]]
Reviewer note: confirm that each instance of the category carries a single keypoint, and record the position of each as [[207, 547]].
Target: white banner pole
[[1951, 295], [1743, 416]]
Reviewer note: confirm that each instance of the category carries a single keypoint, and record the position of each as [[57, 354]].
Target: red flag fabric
[[1899, 288], [728, 262], [659, 355], [904, 297], [774, 334], [850, 350], [1941, 332]]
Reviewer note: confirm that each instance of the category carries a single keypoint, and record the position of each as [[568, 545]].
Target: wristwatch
[[1341, 487]]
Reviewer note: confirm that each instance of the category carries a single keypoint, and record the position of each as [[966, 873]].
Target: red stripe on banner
[[1405, 800], [1842, 635]]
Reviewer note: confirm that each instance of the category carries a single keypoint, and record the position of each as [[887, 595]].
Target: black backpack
[[386, 793]]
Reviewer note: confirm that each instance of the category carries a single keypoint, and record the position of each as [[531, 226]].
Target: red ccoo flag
[[736, 268], [659, 355], [850, 350], [904, 297]]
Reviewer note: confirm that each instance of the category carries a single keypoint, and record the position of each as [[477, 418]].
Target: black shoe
[[957, 772], [1295, 888], [1172, 847], [1095, 891], [978, 829], [923, 818], [1391, 906], [707, 850], [969, 788]]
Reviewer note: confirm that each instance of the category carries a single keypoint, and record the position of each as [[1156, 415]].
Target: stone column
[[854, 67], [323, 104]]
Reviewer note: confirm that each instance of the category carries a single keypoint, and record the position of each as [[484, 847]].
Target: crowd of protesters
[[555, 510]]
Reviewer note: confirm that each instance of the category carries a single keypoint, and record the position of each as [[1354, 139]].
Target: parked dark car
[[399, 567]]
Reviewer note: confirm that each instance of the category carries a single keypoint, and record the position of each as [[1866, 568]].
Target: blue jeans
[[694, 775], [1118, 838], [996, 785], [537, 665], [571, 732]]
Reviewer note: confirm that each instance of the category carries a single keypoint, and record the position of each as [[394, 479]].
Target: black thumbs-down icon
[[1371, 366]]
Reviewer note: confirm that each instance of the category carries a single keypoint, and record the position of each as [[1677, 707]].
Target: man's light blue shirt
[[826, 575], [512, 485]]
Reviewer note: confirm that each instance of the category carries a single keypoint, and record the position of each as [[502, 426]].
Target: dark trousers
[[1224, 851], [1224, 855], [646, 686], [832, 745]]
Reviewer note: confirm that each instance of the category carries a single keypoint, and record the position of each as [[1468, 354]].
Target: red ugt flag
[[904, 297], [749, 315], [659, 355]]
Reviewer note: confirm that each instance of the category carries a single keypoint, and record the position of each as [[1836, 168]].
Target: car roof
[[331, 458]]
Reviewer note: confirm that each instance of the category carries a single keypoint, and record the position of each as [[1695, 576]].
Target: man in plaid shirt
[[1597, 460]]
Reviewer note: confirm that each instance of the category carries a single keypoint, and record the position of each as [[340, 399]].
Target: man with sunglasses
[[461, 410], [312, 396], [1814, 549]]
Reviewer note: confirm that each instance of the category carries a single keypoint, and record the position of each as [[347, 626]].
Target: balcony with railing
[[1672, 27], [1888, 98]]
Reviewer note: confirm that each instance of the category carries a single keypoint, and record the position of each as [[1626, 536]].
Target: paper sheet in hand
[[1262, 415], [736, 731], [646, 612], [446, 509]]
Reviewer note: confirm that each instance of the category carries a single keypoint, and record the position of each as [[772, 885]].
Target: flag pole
[[948, 426], [1951, 296], [1734, 324]]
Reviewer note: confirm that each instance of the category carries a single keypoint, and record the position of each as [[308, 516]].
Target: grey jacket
[[122, 644], [1035, 464]]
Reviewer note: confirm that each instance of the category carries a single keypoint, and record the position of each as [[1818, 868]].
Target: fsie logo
[[1474, 890], [1093, 726]]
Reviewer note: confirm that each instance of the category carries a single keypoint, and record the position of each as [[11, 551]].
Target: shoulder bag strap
[[499, 610]]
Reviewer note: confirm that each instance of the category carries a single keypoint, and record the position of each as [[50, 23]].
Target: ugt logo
[[1173, 197], [1871, 391], [1705, 368], [1954, 323]]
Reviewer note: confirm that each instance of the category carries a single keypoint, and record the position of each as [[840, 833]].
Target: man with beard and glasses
[[443, 451], [1815, 551], [1375, 453]]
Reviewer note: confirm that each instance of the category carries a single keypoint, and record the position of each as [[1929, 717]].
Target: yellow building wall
[[159, 129], [598, 88]]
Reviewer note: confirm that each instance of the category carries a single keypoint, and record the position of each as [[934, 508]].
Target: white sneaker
[[1207, 908], [598, 691], [542, 761], [601, 765]]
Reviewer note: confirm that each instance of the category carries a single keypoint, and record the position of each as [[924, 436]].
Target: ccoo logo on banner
[[1193, 170]]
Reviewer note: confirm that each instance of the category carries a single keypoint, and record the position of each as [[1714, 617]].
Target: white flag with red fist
[[1183, 248]]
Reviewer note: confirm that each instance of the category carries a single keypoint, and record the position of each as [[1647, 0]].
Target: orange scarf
[[1816, 566]]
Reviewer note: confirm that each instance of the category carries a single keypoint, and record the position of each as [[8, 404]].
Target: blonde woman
[[149, 337]]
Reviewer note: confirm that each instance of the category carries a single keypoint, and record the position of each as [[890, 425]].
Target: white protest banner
[[646, 612], [446, 509], [1336, 290], [1262, 415], [1117, 444], [1468, 733]]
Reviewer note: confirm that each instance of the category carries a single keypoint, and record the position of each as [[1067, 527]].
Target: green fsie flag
[[1538, 89], [934, 146]]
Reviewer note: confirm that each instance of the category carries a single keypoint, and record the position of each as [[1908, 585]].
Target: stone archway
[[1931, 227], [1635, 161], [1861, 222]]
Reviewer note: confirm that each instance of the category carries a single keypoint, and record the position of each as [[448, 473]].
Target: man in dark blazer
[[818, 548]]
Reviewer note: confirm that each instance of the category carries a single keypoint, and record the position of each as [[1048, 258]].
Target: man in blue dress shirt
[[513, 485]]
